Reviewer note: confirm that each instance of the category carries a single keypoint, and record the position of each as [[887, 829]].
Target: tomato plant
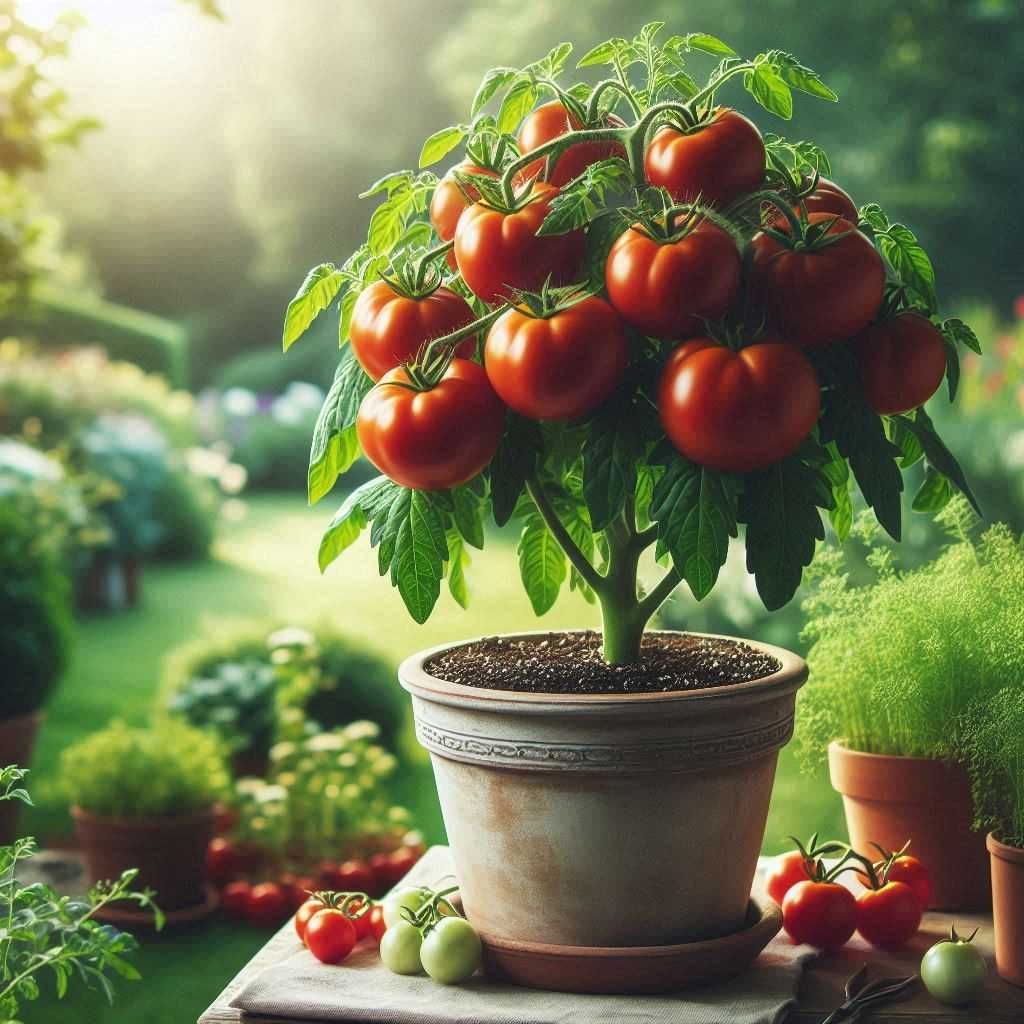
[[953, 970], [666, 205], [330, 935]]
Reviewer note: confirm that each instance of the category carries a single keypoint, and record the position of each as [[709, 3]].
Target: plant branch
[[660, 594], [590, 575], [467, 330]]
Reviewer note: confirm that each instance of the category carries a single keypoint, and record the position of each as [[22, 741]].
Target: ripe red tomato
[[354, 876], [717, 162], [448, 202], [738, 411], [668, 289], [330, 936], [297, 888], [816, 296], [787, 869], [268, 905], [828, 197], [436, 439], [362, 924], [383, 873], [388, 328], [235, 899], [551, 120], [890, 916], [377, 925], [821, 914], [902, 362], [403, 860], [559, 367], [499, 251], [912, 872], [223, 860], [305, 914]]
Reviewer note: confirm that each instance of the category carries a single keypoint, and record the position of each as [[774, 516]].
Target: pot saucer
[[134, 917], [629, 970]]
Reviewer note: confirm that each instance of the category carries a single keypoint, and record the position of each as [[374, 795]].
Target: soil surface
[[572, 663]]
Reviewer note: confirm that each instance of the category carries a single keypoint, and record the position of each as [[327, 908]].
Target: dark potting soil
[[572, 663]]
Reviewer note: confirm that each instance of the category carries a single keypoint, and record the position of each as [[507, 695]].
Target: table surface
[[821, 989]]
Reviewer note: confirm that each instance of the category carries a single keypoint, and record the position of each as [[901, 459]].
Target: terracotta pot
[[1008, 909], [170, 853], [889, 800], [605, 819], [17, 741]]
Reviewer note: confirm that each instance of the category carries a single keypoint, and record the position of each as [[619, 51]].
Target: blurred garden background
[[169, 170]]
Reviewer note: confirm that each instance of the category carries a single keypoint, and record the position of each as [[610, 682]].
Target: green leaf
[[458, 559], [956, 332], [315, 294], [495, 80], [421, 549], [800, 77], [938, 455], [552, 64], [351, 519], [769, 89], [518, 102], [873, 215], [514, 461], [837, 472], [695, 509], [389, 183], [780, 507], [934, 493], [910, 262], [911, 450], [600, 238], [583, 199], [952, 368], [467, 510], [611, 453], [542, 564], [705, 43], [388, 222], [603, 53], [813, 156], [440, 144]]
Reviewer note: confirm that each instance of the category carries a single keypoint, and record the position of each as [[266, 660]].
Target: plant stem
[[467, 330], [547, 511]]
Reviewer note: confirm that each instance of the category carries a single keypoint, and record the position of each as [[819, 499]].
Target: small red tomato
[[403, 860], [821, 914], [309, 909], [787, 869], [380, 865], [828, 197], [377, 925], [912, 872], [235, 899], [298, 888], [449, 200], [902, 362], [223, 861], [890, 916], [551, 120], [330, 936], [327, 874], [355, 876], [268, 905], [362, 923]]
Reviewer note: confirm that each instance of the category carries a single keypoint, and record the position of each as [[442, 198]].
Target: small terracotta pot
[[1008, 909], [889, 800], [170, 853], [17, 741]]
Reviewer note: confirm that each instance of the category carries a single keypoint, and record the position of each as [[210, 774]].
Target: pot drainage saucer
[[627, 970], [128, 915]]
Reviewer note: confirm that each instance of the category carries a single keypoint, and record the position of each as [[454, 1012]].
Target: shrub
[[896, 663], [124, 772], [187, 507]]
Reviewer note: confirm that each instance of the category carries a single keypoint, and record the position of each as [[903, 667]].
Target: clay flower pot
[[170, 853], [1008, 909], [17, 741], [605, 819], [889, 800]]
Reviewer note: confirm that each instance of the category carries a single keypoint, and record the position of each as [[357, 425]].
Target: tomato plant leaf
[[703, 42], [938, 455], [952, 368], [440, 144], [604, 53], [767, 86], [582, 200], [800, 77], [542, 563], [611, 453], [576, 520], [352, 518], [421, 550], [957, 332], [908, 260], [493, 82], [389, 183], [934, 494], [518, 102], [387, 223], [514, 461], [315, 294], [780, 506], [837, 472], [455, 568], [467, 510]]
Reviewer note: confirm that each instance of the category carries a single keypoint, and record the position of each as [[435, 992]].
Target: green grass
[[264, 567]]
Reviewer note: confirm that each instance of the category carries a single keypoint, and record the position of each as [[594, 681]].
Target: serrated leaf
[[957, 332], [934, 493], [611, 453], [800, 77], [315, 294], [837, 472], [387, 223], [389, 183], [911, 451], [938, 455], [574, 517], [493, 81], [518, 102], [458, 559], [584, 199], [707, 44], [542, 564], [603, 53], [514, 461], [350, 520], [421, 549], [467, 511], [440, 144], [553, 63], [770, 90], [873, 215], [780, 506], [909, 261]]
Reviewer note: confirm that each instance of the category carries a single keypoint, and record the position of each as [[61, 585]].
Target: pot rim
[[843, 748], [1001, 851], [144, 823], [413, 677]]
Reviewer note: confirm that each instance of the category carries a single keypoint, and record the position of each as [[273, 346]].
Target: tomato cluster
[[744, 300]]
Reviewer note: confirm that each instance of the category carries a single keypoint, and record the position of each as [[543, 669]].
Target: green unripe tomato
[[410, 898], [954, 971], [451, 951], [400, 949]]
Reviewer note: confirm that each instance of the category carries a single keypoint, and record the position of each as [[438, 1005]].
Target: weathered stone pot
[[605, 819], [1008, 909]]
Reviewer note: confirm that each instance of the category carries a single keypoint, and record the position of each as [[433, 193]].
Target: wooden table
[[821, 990]]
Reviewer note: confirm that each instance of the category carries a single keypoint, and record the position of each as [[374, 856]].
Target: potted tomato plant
[[674, 339]]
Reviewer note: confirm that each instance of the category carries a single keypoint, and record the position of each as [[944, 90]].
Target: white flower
[[239, 402]]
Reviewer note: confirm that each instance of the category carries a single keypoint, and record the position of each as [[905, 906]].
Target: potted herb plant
[[993, 745], [144, 798], [606, 331], [895, 664]]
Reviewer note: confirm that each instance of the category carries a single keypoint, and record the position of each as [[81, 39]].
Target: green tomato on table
[[412, 899], [953, 970], [400, 948], [451, 951]]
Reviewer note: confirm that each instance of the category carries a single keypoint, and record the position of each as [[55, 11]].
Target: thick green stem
[[622, 619]]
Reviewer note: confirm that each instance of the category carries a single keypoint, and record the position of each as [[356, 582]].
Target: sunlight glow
[[42, 13]]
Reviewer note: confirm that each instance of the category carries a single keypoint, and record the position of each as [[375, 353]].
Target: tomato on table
[[715, 162], [912, 872], [377, 924], [550, 121], [400, 948], [268, 905], [450, 199], [560, 366], [902, 362], [309, 909], [354, 876], [737, 411], [953, 971], [821, 914], [889, 916], [787, 869], [452, 951], [330, 935], [433, 439], [409, 898]]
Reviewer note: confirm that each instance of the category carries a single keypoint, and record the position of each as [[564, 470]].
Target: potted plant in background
[[895, 664], [144, 798], [584, 251]]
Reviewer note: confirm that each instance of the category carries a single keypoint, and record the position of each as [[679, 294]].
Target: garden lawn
[[265, 567]]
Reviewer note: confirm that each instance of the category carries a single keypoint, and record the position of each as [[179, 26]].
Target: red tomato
[[355, 876], [223, 860], [448, 202], [717, 162], [559, 367], [380, 865], [821, 914], [305, 914], [389, 328], [669, 289], [912, 872], [902, 362], [330, 936], [235, 899], [298, 888], [362, 924], [327, 874], [551, 120], [737, 411], [828, 197], [499, 251], [377, 925], [268, 905], [890, 916], [816, 296], [787, 869], [436, 439], [403, 860]]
